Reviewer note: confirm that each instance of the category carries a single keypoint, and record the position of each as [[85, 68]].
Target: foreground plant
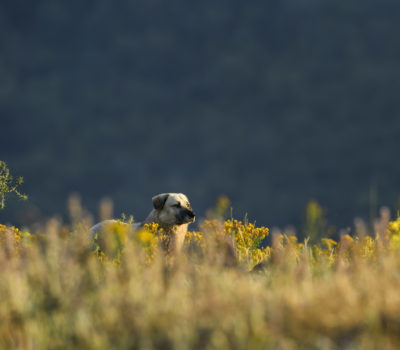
[[57, 292]]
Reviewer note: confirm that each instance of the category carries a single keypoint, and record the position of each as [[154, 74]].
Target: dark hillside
[[269, 102]]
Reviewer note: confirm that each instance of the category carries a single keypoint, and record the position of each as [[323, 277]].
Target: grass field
[[59, 291]]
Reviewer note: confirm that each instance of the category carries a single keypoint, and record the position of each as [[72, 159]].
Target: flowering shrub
[[394, 232], [10, 235], [248, 242], [247, 238], [12, 239]]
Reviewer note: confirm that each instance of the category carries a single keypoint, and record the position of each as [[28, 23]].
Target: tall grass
[[58, 292]]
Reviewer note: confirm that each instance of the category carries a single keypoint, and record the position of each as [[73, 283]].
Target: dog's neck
[[176, 233]]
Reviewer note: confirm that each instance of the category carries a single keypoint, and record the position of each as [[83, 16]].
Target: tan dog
[[172, 212]]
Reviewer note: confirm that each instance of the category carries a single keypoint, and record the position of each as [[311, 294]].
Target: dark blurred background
[[268, 102]]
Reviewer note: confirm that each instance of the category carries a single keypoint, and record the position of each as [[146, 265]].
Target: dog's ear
[[159, 200]]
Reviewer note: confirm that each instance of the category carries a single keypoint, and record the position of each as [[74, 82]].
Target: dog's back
[[102, 226]]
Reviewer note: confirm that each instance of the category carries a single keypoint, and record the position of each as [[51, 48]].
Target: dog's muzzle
[[191, 216], [186, 216]]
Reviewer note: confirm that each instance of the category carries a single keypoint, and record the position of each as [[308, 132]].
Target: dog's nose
[[191, 214]]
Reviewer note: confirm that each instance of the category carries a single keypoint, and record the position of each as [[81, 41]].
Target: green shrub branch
[[8, 184]]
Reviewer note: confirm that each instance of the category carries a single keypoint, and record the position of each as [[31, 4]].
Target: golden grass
[[56, 292]]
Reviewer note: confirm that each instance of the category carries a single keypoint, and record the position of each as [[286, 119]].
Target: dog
[[171, 211]]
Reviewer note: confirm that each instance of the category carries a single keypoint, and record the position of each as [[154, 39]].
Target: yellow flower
[[145, 237], [329, 243], [394, 226]]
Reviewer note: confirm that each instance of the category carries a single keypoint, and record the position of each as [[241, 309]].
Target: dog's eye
[[178, 205]]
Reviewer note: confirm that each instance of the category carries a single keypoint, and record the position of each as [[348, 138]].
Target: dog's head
[[174, 209]]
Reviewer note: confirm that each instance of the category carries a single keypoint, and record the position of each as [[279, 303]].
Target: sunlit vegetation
[[228, 289]]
